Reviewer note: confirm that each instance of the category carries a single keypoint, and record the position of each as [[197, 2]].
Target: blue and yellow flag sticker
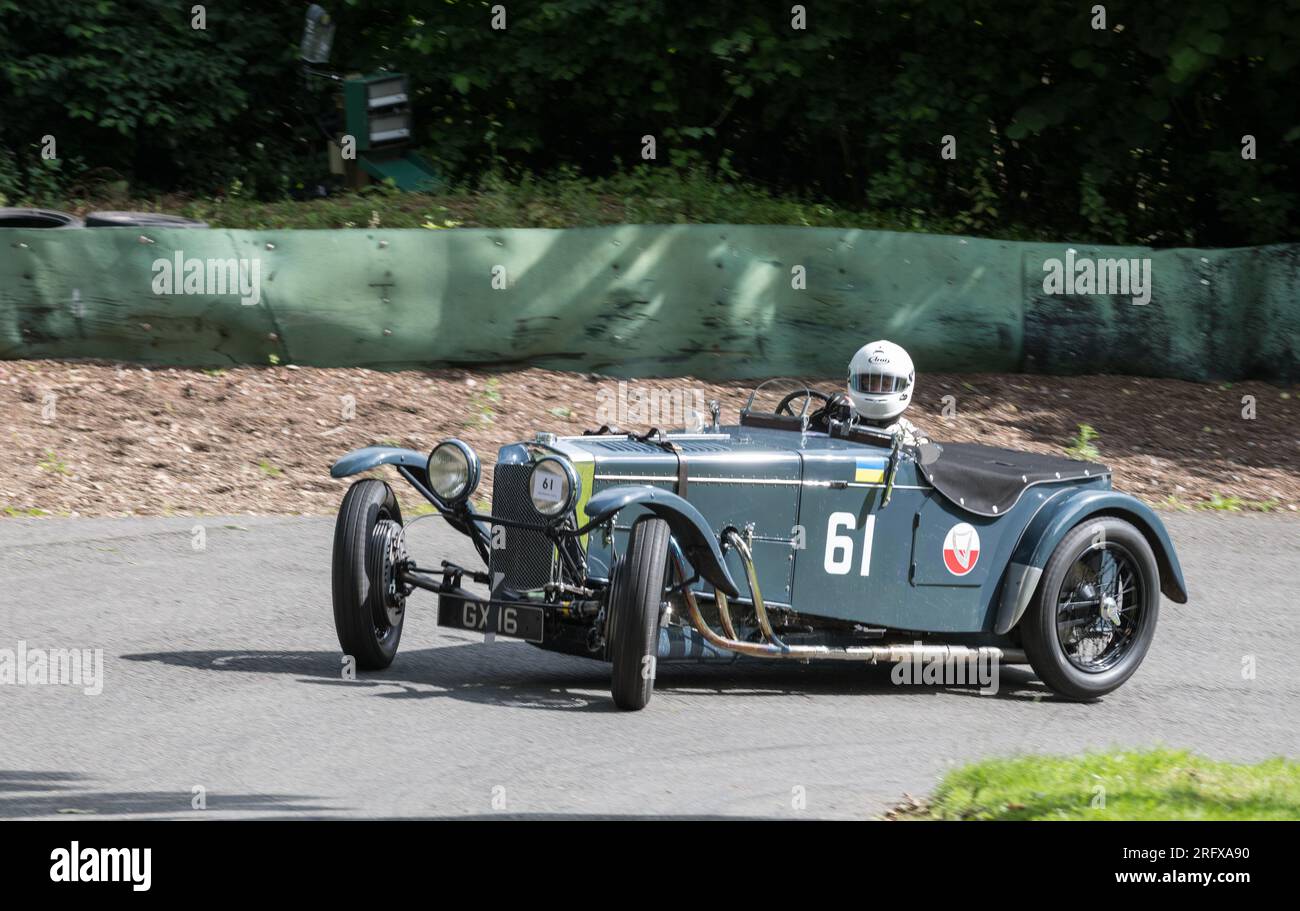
[[869, 471]]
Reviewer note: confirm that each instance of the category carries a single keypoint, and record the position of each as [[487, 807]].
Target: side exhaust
[[773, 647]]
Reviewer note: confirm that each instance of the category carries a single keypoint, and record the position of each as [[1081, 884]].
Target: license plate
[[515, 621]]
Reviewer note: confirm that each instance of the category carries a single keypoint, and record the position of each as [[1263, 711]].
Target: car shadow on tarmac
[[518, 675], [29, 793]]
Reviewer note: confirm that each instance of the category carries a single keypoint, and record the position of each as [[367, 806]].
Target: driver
[[881, 378]]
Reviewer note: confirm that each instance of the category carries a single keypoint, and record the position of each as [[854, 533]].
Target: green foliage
[[52, 463], [565, 199], [1228, 503], [268, 469], [129, 88], [482, 402], [1081, 447], [1128, 134], [1154, 784], [21, 512]]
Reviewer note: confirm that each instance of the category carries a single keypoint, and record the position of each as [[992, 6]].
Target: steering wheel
[[784, 406]]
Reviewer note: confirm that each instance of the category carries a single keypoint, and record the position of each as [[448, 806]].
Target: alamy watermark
[[661, 407], [980, 667], [27, 666], [211, 276], [75, 864], [1083, 275]]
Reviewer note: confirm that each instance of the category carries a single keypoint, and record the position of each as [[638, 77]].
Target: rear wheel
[[1094, 615], [369, 605], [636, 599]]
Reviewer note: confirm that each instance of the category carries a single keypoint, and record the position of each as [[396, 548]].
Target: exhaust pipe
[[774, 647]]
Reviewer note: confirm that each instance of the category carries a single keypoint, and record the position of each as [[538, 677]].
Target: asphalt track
[[222, 672]]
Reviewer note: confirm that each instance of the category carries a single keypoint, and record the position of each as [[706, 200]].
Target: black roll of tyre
[[365, 628], [37, 218], [140, 220], [635, 602]]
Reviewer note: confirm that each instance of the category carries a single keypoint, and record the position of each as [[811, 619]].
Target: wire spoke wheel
[[1094, 613], [1099, 610]]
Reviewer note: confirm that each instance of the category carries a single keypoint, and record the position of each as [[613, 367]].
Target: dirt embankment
[[106, 439]]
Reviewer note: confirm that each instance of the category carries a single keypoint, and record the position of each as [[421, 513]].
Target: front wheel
[[1094, 615], [635, 601], [369, 604]]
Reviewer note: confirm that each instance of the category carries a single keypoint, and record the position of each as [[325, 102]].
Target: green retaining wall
[[712, 300]]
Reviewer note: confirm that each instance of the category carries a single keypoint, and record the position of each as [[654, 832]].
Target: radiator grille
[[526, 559]]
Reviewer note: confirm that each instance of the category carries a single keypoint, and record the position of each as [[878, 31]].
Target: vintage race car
[[797, 534]]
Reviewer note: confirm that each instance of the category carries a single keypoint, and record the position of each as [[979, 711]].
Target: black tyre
[[369, 607], [1094, 615], [37, 218], [636, 598], [140, 220]]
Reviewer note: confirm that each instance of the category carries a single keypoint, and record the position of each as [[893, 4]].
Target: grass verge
[[1153, 785]]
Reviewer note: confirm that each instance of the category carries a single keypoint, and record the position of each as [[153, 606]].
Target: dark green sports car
[[797, 533]]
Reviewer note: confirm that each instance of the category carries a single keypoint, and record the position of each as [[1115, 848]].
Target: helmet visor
[[876, 383]]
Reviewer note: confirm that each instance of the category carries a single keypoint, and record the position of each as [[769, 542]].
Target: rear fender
[[691, 530], [1055, 520]]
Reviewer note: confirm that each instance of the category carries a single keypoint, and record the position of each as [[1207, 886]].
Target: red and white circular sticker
[[961, 549]]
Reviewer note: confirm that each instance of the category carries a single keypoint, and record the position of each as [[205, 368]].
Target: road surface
[[222, 693]]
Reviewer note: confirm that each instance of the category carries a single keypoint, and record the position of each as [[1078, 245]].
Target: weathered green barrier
[[1212, 314], [715, 301]]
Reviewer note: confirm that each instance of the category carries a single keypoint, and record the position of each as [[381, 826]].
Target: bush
[[1131, 133], [131, 89]]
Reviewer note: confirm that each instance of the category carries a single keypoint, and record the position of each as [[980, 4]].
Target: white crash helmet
[[881, 377]]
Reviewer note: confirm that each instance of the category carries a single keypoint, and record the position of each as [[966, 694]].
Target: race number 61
[[839, 544]]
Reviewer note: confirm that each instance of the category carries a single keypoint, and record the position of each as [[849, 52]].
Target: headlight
[[553, 485], [453, 471]]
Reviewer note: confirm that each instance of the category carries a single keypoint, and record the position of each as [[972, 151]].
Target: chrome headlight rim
[[471, 467], [573, 483]]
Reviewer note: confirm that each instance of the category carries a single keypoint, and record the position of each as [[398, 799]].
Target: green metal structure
[[377, 113]]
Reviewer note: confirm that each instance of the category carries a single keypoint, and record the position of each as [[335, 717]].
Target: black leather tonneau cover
[[988, 481]]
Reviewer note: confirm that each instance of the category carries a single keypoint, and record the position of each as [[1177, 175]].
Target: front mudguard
[[1051, 524], [698, 541], [413, 466], [359, 460]]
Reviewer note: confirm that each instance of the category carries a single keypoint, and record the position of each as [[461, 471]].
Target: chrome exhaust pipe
[[774, 647], [751, 575]]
